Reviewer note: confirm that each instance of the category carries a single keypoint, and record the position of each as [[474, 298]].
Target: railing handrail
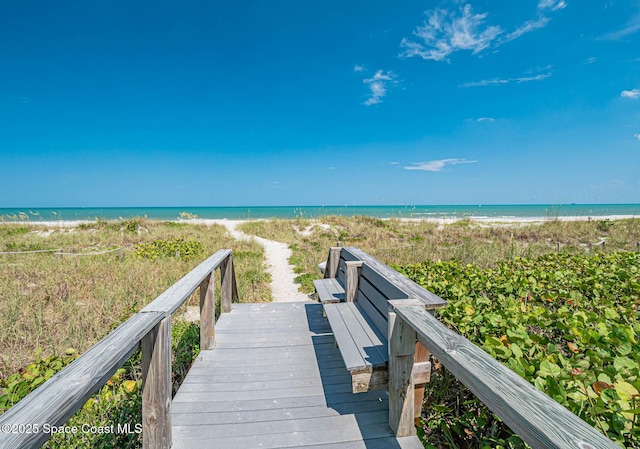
[[538, 419], [55, 401], [174, 296]]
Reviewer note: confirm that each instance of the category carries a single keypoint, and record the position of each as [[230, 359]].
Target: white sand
[[500, 221], [277, 254]]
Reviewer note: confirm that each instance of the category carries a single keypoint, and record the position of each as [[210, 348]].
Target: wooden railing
[[535, 417], [54, 402]]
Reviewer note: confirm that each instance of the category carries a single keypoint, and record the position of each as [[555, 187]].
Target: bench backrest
[[373, 292]]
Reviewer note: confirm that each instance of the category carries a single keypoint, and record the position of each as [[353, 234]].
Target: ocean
[[520, 211]]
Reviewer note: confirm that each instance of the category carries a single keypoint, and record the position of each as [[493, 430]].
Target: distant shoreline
[[490, 221], [439, 213]]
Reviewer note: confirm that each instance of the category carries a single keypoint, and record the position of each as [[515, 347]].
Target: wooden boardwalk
[[276, 379]]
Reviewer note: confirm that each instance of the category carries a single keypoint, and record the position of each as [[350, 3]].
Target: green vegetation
[[567, 323], [118, 403], [55, 303], [180, 248], [400, 242]]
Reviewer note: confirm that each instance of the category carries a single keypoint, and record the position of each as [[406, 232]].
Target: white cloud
[[378, 86], [359, 68], [631, 27], [526, 27], [634, 94], [437, 165], [553, 5], [590, 60], [445, 32], [394, 163], [637, 136], [500, 81], [486, 119]]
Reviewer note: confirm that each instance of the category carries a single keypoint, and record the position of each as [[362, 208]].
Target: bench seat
[[329, 290], [363, 348]]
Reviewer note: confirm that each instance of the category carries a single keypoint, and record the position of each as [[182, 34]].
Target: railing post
[[156, 387], [229, 287], [331, 269], [354, 269], [421, 376], [207, 313], [402, 345]]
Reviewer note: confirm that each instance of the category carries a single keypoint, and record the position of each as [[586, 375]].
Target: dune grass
[[408, 242], [54, 303]]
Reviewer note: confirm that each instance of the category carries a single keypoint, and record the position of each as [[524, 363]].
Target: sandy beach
[[499, 221]]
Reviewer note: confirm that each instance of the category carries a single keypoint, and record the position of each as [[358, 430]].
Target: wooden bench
[[331, 288], [358, 293]]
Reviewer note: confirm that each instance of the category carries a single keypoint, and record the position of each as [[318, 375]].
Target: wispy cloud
[[637, 136], [377, 85], [631, 27], [590, 60], [526, 27], [359, 68], [634, 94], [501, 81], [437, 165], [445, 32], [486, 119], [553, 5]]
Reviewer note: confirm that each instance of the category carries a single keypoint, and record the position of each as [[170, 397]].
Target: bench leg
[[421, 355]]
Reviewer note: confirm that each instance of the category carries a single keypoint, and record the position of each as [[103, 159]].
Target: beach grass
[[50, 303], [403, 242]]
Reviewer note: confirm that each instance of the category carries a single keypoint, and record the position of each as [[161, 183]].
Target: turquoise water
[[237, 213]]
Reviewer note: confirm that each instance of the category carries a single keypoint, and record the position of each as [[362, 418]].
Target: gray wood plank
[[283, 440], [222, 369], [349, 350], [335, 400], [329, 290], [374, 296], [227, 383], [373, 443], [378, 336], [273, 393], [369, 349], [284, 339], [281, 426], [378, 320], [341, 273], [186, 416]]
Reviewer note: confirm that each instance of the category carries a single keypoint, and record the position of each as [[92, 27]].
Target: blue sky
[[193, 103]]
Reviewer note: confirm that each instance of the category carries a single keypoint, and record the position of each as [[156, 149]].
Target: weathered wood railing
[[535, 417], [26, 424]]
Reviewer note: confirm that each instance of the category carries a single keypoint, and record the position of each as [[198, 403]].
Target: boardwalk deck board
[[276, 380]]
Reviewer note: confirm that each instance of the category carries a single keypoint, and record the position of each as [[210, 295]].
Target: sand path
[[283, 286]]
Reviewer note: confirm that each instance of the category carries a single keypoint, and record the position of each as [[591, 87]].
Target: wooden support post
[[421, 375], [331, 268], [229, 288], [402, 346], [156, 387], [207, 313], [354, 269]]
